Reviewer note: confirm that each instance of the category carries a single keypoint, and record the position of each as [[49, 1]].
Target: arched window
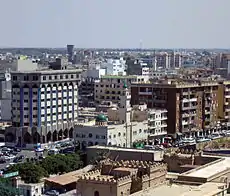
[[96, 193]]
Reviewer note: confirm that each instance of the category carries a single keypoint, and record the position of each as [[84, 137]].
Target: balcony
[[145, 93], [227, 96]]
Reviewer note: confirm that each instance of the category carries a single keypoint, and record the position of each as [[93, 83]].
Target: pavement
[[26, 153]]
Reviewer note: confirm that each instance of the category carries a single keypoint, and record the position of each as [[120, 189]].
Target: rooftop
[[121, 149], [118, 77], [210, 170], [48, 71], [70, 177], [207, 189]]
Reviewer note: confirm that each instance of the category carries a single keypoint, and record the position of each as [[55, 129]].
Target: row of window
[[90, 135], [54, 99], [26, 78], [55, 77]]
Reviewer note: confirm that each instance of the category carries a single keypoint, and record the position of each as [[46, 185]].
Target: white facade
[[5, 110], [116, 67], [157, 121], [94, 73]]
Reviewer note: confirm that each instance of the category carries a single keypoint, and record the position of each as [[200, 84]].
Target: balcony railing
[[145, 93]]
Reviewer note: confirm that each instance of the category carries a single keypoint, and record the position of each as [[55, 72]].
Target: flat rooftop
[[207, 189], [123, 149], [70, 177], [210, 170]]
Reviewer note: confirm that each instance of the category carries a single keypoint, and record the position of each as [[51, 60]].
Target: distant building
[[108, 88], [70, 52], [115, 67], [5, 96]]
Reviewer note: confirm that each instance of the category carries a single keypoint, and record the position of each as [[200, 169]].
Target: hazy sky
[[115, 23]]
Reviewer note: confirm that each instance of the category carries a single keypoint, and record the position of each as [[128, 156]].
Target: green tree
[[29, 172], [6, 189], [61, 163]]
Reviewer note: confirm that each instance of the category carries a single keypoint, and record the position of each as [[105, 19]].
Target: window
[[90, 135], [26, 78], [72, 76], [55, 77], [61, 77], [35, 78], [44, 77], [119, 134], [50, 77], [15, 78]]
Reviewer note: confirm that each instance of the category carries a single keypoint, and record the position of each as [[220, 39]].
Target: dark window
[[96, 193]]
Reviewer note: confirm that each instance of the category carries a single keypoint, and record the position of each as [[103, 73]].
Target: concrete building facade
[[44, 106], [192, 106], [109, 88]]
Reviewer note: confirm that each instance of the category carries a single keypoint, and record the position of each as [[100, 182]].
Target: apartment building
[[5, 96], [109, 88], [157, 122], [224, 103], [44, 106], [192, 105]]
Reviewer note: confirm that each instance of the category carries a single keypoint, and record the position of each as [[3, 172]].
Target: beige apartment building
[[109, 88]]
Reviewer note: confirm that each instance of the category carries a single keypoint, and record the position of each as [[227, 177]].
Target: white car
[[215, 136], [189, 140], [11, 157], [202, 139]]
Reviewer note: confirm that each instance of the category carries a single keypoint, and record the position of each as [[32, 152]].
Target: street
[[26, 153]]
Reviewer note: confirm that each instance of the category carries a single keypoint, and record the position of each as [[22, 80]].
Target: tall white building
[[157, 121], [44, 106], [116, 67]]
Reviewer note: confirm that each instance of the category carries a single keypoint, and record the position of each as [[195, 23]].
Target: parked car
[[52, 193], [202, 139], [215, 136], [189, 141]]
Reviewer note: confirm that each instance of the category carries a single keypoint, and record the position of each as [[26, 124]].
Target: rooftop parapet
[[106, 180]]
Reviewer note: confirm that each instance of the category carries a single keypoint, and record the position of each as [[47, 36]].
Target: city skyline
[[118, 24]]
